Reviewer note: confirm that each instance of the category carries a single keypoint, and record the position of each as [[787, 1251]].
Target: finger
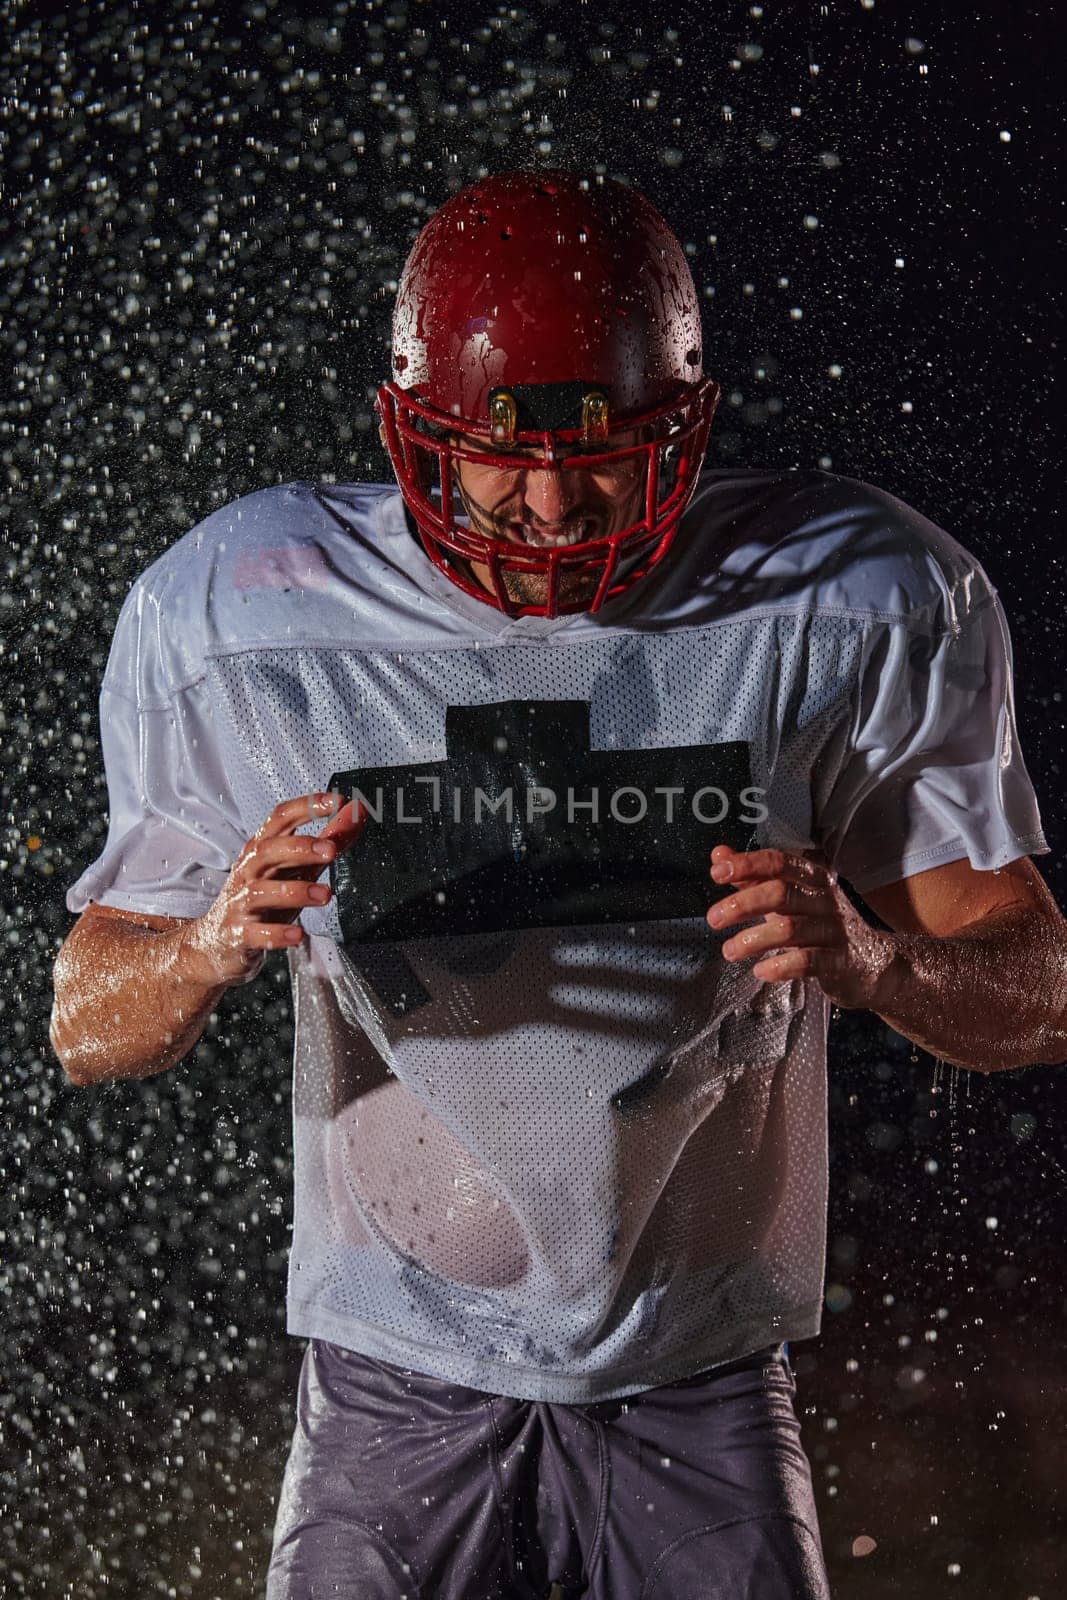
[[770, 895], [347, 825], [276, 894], [290, 853], [270, 935], [339, 834], [781, 933], [290, 814], [746, 865], [302, 856], [800, 963]]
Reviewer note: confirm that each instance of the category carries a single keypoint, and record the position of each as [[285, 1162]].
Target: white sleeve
[[174, 828], [933, 772]]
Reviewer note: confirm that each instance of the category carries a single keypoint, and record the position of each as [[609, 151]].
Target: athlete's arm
[[133, 992], [982, 965], [974, 969], [124, 1004], [946, 900]]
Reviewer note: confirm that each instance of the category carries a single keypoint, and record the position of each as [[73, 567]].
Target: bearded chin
[[531, 588]]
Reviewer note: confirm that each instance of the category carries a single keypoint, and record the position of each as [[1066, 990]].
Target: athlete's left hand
[[809, 924]]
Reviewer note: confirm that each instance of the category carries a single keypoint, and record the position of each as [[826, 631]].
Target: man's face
[[546, 508]]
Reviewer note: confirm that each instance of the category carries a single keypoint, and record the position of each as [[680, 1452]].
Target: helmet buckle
[[594, 417], [503, 417]]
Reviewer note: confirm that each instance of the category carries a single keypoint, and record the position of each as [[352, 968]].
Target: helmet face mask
[[548, 415], [647, 466]]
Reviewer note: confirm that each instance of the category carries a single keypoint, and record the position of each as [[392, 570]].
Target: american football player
[[544, 765]]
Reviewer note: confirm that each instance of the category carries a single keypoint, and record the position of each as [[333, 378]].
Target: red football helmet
[[546, 322]]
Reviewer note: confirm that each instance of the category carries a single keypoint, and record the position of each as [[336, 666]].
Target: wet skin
[[547, 507]]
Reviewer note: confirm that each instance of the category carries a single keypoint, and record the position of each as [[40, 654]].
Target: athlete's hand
[[271, 882], [809, 927]]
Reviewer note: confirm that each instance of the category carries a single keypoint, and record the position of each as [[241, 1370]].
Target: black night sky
[[206, 211]]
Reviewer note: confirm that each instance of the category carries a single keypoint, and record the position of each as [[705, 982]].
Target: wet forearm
[[129, 1001], [991, 997]]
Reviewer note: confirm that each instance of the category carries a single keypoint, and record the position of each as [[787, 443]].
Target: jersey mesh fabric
[[566, 1161]]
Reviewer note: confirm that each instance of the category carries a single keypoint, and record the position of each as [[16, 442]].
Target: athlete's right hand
[[271, 882]]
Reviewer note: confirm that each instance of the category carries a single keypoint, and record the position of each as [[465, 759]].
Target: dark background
[[206, 213]]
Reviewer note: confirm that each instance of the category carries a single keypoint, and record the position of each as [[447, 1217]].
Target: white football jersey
[[548, 1143]]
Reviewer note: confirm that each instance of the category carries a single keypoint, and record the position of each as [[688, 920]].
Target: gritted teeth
[[545, 539]]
